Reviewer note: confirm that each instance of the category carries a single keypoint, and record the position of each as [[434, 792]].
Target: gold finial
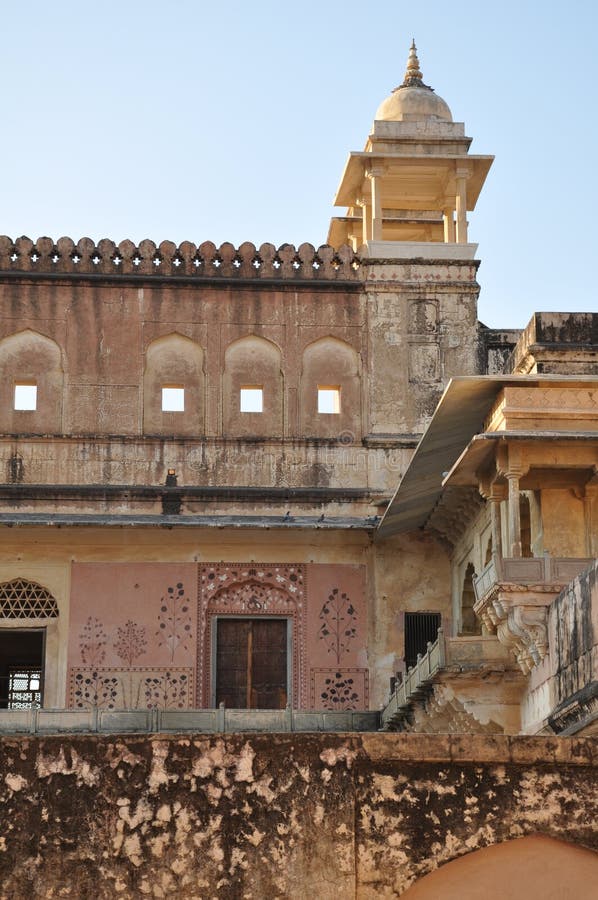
[[413, 76], [413, 72]]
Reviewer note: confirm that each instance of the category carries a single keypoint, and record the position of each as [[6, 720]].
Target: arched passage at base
[[530, 868]]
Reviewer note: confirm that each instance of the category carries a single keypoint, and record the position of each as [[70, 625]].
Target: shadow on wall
[[530, 868]]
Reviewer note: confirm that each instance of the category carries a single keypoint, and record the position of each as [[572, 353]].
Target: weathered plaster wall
[[422, 329], [564, 526], [388, 336], [111, 586], [409, 573], [562, 693], [289, 816]]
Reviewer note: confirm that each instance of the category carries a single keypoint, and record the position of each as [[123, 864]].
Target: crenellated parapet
[[203, 261]]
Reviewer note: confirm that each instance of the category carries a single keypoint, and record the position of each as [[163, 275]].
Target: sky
[[232, 122]]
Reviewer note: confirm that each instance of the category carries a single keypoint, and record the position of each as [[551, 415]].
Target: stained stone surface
[[253, 816]]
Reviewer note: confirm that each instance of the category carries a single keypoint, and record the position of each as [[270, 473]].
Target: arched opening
[[330, 390], [252, 388], [31, 384], [470, 624], [25, 608], [526, 525], [173, 387], [530, 868]]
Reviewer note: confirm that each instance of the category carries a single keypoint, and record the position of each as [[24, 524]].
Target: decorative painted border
[[232, 596], [115, 680]]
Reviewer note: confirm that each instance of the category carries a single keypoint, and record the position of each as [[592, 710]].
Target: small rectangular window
[[252, 399], [329, 399], [173, 398], [25, 395], [420, 630]]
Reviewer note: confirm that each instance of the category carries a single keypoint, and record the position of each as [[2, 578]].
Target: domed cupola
[[413, 100], [407, 193]]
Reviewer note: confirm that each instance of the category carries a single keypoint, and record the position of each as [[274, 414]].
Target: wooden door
[[251, 663]]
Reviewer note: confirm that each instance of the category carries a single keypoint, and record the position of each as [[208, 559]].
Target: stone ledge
[[518, 749]]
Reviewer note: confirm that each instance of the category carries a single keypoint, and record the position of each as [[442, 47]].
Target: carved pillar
[[366, 218], [375, 175], [494, 493], [496, 525], [461, 204], [449, 226], [514, 514]]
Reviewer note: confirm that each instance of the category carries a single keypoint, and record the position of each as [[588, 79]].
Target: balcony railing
[[459, 654], [528, 570], [199, 721], [416, 681]]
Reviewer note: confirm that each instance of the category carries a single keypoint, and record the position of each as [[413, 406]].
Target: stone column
[[366, 214], [461, 205], [449, 226], [494, 494], [375, 175], [514, 515], [495, 522]]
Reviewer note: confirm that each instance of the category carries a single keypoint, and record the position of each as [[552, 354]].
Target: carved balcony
[[448, 658], [512, 600]]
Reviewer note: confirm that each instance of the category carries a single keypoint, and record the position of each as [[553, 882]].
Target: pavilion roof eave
[[351, 183], [459, 416]]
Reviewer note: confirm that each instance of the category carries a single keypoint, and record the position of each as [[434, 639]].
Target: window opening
[[252, 663], [24, 687], [420, 629], [329, 399], [21, 668], [173, 398], [22, 599], [470, 624], [252, 398], [526, 525], [25, 397]]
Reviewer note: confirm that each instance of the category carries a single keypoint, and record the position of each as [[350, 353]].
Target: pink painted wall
[[132, 635], [141, 633]]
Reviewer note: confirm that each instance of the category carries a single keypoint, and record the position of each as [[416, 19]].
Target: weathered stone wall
[[573, 642], [557, 343], [288, 816], [114, 323]]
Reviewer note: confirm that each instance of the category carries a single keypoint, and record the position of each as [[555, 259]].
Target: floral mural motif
[[95, 689], [92, 642], [167, 691], [339, 692], [130, 643], [174, 620], [340, 689], [141, 687], [338, 629], [288, 579]]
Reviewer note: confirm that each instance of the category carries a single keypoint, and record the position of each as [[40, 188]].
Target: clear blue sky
[[201, 121]]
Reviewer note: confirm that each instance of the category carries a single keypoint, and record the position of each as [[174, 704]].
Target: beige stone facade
[[298, 489]]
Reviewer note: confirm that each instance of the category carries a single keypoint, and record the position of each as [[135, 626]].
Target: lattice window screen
[[20, 599]]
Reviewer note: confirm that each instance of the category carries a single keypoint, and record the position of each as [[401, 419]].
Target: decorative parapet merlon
[[206, 261], [512, 600]]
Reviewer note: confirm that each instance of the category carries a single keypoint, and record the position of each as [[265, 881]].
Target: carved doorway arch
[[241, 590]]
